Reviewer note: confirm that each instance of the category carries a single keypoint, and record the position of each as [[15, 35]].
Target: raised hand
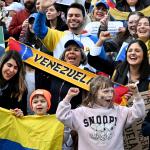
[[25, 23], [73, 92], [104, 35], [104, 22], [42, 5], [133, 88]]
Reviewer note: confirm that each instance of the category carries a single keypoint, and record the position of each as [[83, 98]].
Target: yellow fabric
[[59, 68], [120, 15], [124, 102], [54, 36], [148, 48], [35, 132], [148, 45]]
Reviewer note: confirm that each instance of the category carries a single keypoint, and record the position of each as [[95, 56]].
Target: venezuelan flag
[[111, 3], [24, 50], [30, 132]]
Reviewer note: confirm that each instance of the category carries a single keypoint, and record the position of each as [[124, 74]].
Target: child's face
[[105, 97], [39, 105]]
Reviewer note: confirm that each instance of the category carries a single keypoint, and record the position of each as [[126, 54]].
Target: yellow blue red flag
[[30, 132]]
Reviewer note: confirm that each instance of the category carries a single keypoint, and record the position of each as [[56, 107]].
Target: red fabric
[[15, 26], [111, 3], [14, 45], [102, 74], [119, 92]]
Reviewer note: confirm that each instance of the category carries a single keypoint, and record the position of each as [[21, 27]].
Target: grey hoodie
[[100, 128]]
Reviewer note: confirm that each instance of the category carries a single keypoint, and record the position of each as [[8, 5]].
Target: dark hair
[[98, 82], [144, 67], [135, 13], [57, 6], [16, 83], [61, 25], [122, 5], [78, 6], [144, 17], [127, 34]]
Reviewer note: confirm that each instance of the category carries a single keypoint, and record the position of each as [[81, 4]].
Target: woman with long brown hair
[[12, 85]]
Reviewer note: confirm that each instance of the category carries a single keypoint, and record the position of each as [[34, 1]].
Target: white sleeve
[[67, 116], [95, 51], [137, 111]]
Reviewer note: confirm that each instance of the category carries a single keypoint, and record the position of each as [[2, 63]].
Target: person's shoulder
[[22, 11]]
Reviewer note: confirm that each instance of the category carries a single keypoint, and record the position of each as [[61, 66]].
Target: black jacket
[[109, 67], [58, 89], [8, 102]]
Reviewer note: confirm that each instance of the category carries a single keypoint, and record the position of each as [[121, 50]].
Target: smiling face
[[135, 55], [74, 18], [39, 105], [132, 24], [105, 97], [52, 13], [143, 29], [9, 69], [73, 55], [99, 12]]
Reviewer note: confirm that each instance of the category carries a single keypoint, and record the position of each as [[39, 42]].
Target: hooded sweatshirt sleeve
[[137, 111], [67, 116], [39, 26]]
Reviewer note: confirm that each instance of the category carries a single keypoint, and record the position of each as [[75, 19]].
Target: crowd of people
[[79, 32]]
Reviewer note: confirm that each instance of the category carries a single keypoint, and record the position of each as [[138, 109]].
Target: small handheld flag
[[119, 98]]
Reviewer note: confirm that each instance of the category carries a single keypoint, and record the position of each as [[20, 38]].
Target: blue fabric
[[103, 54], [102, 2], [10, 145], [25, 52], [73, 41], [93, 38], [2, 50], [39, 26], [122, 54]]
